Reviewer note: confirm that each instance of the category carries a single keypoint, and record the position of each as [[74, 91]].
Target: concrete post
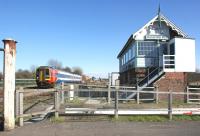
[[9, 83]]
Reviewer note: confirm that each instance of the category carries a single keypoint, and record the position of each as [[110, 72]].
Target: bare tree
[[77, 70], [33, 70], [55, 63], [24, 74], [67, 69]]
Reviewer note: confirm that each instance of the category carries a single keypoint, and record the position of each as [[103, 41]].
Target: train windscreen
[[44, 74]]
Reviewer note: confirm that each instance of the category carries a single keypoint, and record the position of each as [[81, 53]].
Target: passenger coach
[[48, 76]]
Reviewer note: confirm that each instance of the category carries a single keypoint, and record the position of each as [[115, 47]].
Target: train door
[[44, 74], [41, 75]]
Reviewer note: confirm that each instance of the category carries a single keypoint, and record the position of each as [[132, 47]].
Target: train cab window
[[47, 73]]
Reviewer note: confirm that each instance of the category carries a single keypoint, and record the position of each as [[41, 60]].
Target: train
[[48, 77]]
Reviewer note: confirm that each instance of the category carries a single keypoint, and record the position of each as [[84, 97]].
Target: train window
[[47, 73]]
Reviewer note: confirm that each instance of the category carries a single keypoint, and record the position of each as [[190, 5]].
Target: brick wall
[[174, 81], [128, 77]]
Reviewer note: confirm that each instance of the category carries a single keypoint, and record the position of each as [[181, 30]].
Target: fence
[[108, 93], [116, 95], [19, 102], [22, 82], [133, 93], [118, 91]]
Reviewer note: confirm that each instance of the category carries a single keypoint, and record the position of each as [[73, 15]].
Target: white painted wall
[[153, 30], [140, 62], [184, 55], [144, 62], [114, 76]]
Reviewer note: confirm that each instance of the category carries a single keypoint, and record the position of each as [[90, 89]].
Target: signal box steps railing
[[149, 79], [192, 94], [125, 92], [133, 94]]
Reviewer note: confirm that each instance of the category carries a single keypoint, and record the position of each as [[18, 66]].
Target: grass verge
[[157, 118], [57, 120], [74, 101]]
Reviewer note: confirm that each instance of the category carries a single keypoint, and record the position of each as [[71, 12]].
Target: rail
[[192, 95], [124, 92], [168, 63], [22, 82], [149, 76]]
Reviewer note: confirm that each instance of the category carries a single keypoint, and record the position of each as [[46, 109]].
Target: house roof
[[156, 18]]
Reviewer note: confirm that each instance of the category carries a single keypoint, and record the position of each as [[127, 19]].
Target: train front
[[45, 77]]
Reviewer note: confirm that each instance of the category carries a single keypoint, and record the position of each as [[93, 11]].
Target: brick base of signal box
[[174, 81]]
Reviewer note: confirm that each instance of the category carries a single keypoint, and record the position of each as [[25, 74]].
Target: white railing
[[168, 63], [193, 95]]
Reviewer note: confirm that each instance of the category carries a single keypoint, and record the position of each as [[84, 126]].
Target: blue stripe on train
[[66, 76], [66, 81]]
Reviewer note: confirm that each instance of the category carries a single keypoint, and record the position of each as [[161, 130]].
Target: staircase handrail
[[158, 69]]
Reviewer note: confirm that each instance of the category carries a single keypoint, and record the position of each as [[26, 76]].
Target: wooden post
[[89, 95], [71, 92], [170, 105], [116, 98], [62, 93], [157, 95], [9, 83], [56, 103], [109, 84], [21, 108], [17, 103], [187, 93], [147, 75], [138, 95]]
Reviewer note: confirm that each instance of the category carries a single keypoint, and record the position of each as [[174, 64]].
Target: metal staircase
[[148, 80]]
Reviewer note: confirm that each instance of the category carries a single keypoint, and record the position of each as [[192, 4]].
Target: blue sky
[[86, 33]]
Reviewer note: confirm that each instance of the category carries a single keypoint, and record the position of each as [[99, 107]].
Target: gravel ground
[[107, 128]]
